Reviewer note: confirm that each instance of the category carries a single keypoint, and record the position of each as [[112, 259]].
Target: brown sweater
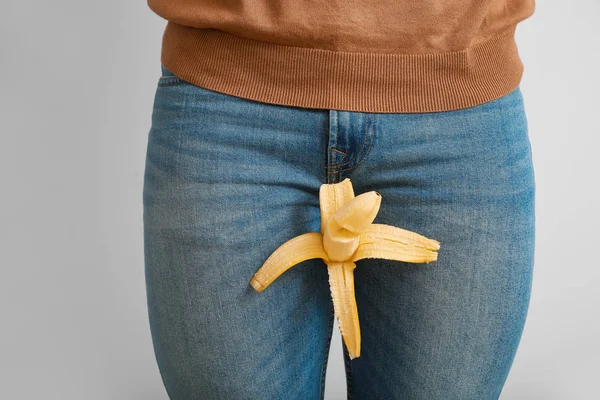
[[354, 55]]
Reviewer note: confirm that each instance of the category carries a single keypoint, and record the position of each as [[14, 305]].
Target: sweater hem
[[347, 81]]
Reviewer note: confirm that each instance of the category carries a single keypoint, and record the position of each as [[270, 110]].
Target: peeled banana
[[347, 234]]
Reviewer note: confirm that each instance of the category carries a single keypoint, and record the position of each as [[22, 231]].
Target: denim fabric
[[228, 180]]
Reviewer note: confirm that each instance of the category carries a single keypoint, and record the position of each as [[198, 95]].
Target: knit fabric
[[397, 56]]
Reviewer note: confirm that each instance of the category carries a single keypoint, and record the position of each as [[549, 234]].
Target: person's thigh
[[227, 181], [447, 329]]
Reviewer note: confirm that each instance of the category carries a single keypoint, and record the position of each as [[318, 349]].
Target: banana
[[348, 234]]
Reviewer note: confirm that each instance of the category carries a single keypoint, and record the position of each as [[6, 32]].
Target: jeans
[[228, 180]]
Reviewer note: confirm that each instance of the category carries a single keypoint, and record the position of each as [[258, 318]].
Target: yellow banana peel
[[347, 234]]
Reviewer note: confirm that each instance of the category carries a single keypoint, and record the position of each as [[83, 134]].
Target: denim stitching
[[331, 310], [371, 135], [170, 80], [329, 155], [359, 152], [337, 132], [339, 151]]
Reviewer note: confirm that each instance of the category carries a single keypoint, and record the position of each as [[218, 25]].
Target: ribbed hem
[[365, 82]]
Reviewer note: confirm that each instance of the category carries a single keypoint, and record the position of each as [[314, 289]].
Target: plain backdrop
[[77, 81]]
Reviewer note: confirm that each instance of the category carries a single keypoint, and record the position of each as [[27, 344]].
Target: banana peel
[[348, 234]]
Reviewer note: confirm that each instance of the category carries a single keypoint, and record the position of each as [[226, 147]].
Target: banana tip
[[259, 287]]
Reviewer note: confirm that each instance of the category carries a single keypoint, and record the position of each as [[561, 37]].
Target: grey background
[[77, 80]]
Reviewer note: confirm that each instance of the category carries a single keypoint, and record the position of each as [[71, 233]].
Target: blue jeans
[[228, 180]]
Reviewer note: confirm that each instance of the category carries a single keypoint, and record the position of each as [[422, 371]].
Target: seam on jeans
[[359, 152], [329, 149], [327, 346], [170, 81], [171, 84], [337, 132], [371, 135], [339, 151]]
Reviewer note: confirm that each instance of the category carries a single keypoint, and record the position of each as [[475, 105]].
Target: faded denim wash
[[228, 180]]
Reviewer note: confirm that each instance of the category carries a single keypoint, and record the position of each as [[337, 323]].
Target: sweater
[[386, 56]]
